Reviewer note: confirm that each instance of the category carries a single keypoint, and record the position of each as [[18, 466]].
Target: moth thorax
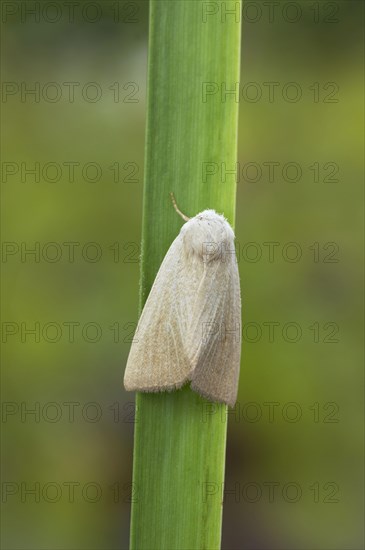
[[208, 238]]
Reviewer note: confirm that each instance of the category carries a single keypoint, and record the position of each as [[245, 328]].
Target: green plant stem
[[180, 438]]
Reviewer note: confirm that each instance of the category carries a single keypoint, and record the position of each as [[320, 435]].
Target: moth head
[[208, 237]]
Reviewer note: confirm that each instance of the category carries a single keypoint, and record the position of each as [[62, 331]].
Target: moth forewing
[[215, 335], [157, 360]]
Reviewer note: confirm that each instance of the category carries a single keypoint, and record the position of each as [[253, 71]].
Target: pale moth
[[189, 329]]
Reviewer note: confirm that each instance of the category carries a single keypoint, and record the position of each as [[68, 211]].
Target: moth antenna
[[173, 200]]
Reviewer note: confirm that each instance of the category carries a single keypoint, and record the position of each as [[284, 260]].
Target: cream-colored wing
[[215, 334], [157, 360]]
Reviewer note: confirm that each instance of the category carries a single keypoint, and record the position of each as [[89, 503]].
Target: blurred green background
[[294, 477]]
